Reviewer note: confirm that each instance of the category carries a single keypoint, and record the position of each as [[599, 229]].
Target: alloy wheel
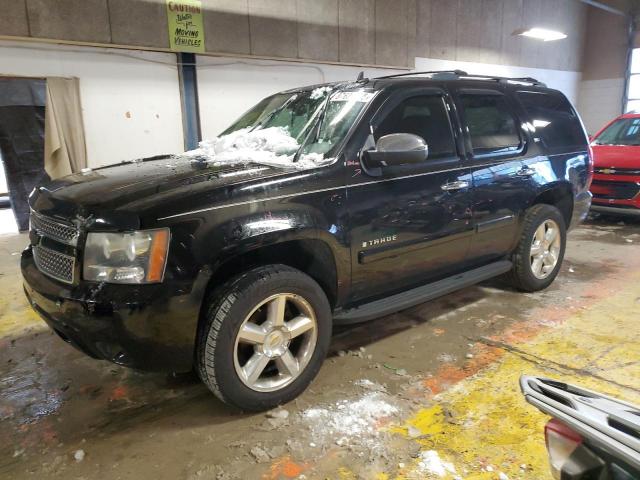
[[275, 342], [545, 249]]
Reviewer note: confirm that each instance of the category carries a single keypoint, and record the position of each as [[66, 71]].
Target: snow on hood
[[269, 146]]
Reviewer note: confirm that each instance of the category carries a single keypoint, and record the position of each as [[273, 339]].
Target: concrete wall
[[482, 31], [604, 66], [130, 100], [380, 32], [600, 101], [364, 32]]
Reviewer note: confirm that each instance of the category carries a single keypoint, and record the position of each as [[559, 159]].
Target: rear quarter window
[[554, 121]]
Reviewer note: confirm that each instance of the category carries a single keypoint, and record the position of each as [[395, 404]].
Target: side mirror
[[397, 149]]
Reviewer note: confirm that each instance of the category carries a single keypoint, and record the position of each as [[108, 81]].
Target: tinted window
[[491, 124], [425, 116], [554, 120]]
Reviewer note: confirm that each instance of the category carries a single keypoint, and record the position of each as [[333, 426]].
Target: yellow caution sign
[[186, 31]]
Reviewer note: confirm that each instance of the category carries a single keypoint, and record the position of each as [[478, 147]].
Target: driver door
[[410, 224]]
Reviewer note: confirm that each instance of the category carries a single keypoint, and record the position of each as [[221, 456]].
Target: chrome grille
[[54, 264], [48, 227]]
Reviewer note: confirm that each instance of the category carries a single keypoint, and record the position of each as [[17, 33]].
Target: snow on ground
[[430, 462], [268, 146], [353, 422]]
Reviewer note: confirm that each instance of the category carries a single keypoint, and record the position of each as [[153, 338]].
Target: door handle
[[526, 172], [457, 185]]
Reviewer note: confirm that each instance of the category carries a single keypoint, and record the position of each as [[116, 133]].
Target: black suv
[[325, 204]]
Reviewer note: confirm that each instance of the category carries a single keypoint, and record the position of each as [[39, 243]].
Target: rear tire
[[540, 251], [263, 338]]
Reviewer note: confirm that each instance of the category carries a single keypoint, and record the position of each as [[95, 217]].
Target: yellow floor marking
[[15, 313], [484, 421]]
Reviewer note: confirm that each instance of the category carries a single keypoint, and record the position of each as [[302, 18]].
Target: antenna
[[360, 76]]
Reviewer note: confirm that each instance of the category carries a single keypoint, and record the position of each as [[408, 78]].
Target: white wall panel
[[130, 99], [228, 87], [565, 81], [600, 101]]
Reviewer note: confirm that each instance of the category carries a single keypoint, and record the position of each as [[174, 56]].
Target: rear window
[[554, 121], [492, 127]]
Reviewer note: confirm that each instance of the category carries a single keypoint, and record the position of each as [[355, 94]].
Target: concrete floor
[[430, 392]]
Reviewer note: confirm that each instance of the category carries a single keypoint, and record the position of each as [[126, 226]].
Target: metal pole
[[187, 75], [605, 7], [627, 76]]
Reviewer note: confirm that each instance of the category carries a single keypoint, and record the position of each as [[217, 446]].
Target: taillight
[[561, 443]]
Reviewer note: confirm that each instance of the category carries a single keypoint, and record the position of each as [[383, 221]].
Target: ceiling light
[[540, 34]]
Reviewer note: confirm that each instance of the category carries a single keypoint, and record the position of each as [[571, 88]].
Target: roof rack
[[457, 74]]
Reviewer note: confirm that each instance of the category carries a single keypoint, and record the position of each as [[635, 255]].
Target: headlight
[[135, 257]]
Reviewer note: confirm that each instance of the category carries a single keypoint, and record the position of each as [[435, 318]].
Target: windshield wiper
[[275, 112], [314, 131]]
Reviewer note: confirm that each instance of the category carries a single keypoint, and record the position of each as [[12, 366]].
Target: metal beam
[[189, 98], [605, 7]]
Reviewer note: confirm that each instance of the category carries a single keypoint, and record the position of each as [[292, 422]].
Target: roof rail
[[456, 74], [530, 80]]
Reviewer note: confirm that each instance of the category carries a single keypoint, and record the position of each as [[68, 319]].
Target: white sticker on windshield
[[357, 96]]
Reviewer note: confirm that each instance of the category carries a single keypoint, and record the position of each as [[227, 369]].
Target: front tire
[[540, 251], [263, 338]]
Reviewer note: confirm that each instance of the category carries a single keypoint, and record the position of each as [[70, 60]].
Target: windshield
[[295, 126], [625, 131]]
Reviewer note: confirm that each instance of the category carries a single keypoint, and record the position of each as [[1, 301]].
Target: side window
[[491, 124], [554, 120], [425, 116]]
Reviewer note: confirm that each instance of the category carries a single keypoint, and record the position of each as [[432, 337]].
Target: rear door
[[410, 224], [495, 145]]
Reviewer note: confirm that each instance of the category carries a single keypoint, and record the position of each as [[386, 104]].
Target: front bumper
[[631, 211], [617, 194], [148, 327]]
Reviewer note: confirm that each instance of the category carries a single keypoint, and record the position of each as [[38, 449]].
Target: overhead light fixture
[[540, 34]]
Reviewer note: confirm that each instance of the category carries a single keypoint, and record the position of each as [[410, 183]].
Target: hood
[[616, 156], [135, 186]]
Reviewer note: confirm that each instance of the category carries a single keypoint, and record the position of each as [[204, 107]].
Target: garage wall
[[482, 31], [566, 81], [380, 32], [366, 32], [603, 68], [230, 86], [130, 99]]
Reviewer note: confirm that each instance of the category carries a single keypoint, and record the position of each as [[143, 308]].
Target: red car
[[616, 154]]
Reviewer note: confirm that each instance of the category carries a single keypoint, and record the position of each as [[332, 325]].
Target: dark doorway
[[22, 105]]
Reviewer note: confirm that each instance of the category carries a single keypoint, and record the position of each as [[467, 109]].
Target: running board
[[424, 293]]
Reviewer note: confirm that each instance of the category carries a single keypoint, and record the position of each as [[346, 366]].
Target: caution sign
[[186, 33]]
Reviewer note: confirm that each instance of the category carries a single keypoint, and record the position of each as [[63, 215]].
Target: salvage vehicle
[[590, 436], [332, 203], [616, 160]]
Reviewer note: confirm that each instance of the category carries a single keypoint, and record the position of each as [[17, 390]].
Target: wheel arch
[[311, 256], [559, 195]]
